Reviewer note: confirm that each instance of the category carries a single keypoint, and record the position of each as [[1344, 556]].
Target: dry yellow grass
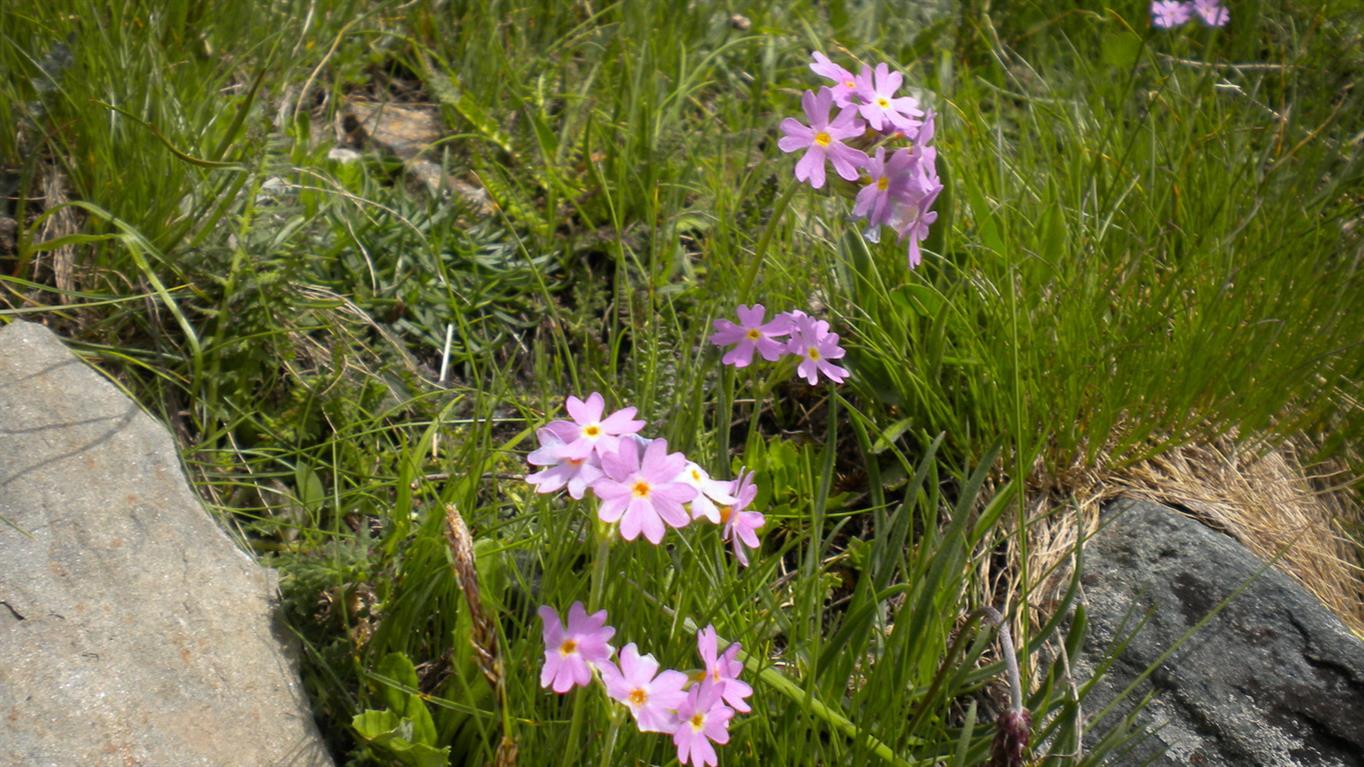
[[1265, 498]]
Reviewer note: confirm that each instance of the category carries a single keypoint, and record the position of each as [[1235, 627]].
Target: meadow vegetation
[[1147, 238]]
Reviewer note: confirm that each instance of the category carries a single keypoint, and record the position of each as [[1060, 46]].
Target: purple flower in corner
[[751, 333], [1168, 14], [816, 346], [1212, 12], [844, 85], [568, 651], [823, 139]]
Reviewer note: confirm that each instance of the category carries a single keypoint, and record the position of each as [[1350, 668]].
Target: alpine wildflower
[[651, 696], [740, 524], [570, 652], [708, 492], [643, 492], [1212, 12], [1168, 14], [844, 83], [722, 669], [823, 139], [816, 346], [588, 432], [882, 109], [751, 334], [701, 719], [577, 474]]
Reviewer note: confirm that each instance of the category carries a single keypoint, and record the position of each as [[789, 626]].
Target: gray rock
[[1274, 679], [132, 630]]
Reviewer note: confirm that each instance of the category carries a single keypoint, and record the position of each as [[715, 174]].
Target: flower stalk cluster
[[879, 144], [642, 488], [1168, 14], [793, 333], [694, 709]]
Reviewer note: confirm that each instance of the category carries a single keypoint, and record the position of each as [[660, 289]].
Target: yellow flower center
[[576, 461], [568, 647], [882, 102], [696, 475], [698, 721], [725, 512], [638, 696], [822, 139], [592, 430], [812, 353], [753, 334], [641, 489], [882, 184], [849, 84]]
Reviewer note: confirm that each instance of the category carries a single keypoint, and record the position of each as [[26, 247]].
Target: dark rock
[[1274, 679], [132, 630]]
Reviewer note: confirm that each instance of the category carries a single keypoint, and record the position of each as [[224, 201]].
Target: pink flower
[[708, 492], [816, 346], [1212, 12], [643, 494], [588, 432], [911, 219], [823, 139], [844, 85], [569, 651], [651, 696], [874, 201], [702, 718], [739, 523], [751, 333], [884, 111], [1167, 14], [722, 670], [576, 473]]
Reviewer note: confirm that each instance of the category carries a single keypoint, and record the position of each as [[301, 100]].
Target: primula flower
[[701, 719], [1168, 14], [911, 219], [874, 201], [722, 669], [569, 651], [708, 492], [844, 85], [650, 695], [883, 110], [1212, 12], [816, 346], [588, 432], [751, 333], [823, 139], [739, 523], [575, 473], [643, 493]]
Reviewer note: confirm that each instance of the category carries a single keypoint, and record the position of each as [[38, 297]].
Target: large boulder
[[1274, 679], [132, 630]]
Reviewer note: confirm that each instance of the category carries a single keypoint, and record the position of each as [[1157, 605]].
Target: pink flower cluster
[[1168, 14], [792, 333], [896, 190], [640, 485], [694, 709]]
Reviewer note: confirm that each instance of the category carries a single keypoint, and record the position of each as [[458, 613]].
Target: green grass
[[1136, 250]]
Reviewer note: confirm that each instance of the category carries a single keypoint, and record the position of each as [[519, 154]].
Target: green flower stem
[[778, 208], [782, 684], [609, 749]]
